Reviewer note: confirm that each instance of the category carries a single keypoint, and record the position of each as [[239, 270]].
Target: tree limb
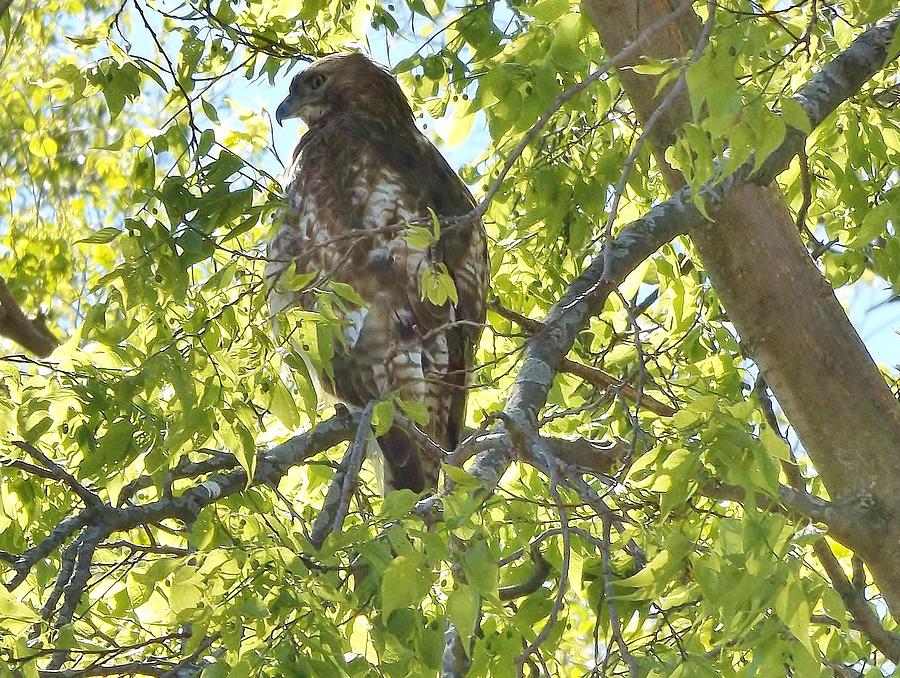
[[862, 612], [30, 333], [637, 241]]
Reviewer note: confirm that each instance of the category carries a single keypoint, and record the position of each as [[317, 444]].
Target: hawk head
[[345, 84]]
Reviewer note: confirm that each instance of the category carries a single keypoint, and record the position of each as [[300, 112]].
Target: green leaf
[[346, 292], [481, 568], [460, 476], [282, 404], [794, 609], [114, 447], [768, 130], [15, 616], [382, 417], [209, 110], [419, 237], [564, 49], [793, 115], [873, 224], [415, 410], [404, 583], [104, 235], [548, 10], [43, 146], [397, 504], [462, 608]]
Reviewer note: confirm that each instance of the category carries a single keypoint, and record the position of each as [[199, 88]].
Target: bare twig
[[806, 182], [146, 548], [868, 622], [89, 497], [536, 578], [544, 633]]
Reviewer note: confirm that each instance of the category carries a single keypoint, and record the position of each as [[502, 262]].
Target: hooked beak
[[285, 111]]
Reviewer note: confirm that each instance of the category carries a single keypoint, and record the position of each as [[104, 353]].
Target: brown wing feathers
[[362, 166]]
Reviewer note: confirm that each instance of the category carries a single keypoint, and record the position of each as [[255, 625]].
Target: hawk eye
[[316, 81]]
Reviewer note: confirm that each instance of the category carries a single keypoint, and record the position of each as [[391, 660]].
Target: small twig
[[204, 645], [887, 642], [806, 183], [146, 548], [859, 574], [614, 620], [153, 667], [455, 661], [544, 633]]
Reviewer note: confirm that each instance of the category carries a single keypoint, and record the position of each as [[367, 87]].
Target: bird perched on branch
[[359, 177]]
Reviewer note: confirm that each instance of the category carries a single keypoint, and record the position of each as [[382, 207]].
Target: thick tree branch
[[29, 333], [637, 241], [103, 520], [859, 608], [57, 472], [784, 310], [841, 518]]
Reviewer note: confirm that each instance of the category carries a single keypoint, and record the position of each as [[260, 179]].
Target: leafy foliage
[[139, 187]]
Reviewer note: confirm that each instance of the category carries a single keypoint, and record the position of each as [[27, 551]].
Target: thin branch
[[611, 606], [887, 642], [558, 601], [146, 548], [590, 374], [153, 667], [536, 578], [89, 497]]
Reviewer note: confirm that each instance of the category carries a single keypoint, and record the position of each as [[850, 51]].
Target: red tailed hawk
[[358, 175]]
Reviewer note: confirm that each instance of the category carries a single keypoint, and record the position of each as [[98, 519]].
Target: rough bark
[[786, 313]]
